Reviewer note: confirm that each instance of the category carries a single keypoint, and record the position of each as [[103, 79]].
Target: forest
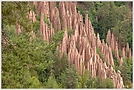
[[117, 15], [38, 64]]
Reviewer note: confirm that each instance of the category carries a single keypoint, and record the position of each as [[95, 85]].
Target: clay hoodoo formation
[[82, 45], [124, 51]]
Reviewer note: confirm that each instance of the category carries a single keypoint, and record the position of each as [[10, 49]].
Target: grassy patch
[[76, 44], [57, 4], [70, 31], [98, 52], [116, 61], [38, 17], [46, 20]]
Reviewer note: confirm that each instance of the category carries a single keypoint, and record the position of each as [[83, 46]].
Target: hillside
[[55, 45]]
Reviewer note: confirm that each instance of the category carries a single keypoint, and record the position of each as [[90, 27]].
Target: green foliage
[[70, 31], [79, 8], [57, 4], [36, 26], [122, 32], [38, 17], [86, 80], [128, 84], [56, 39], [51, 83], [34, 9], [129, 40], [22, 65], [58, 35], [38, 64], [100, 54], [76, 44], [68, 78], [117, 3], [107, 83], [116, 61], [106, 14], [60, 64], [34, 83], [116, 16], [120, 53], [16, 12], [127, 71], [46, 20], [21, 60], [93, 82], [96, 83], [124, 71], [84, 77]]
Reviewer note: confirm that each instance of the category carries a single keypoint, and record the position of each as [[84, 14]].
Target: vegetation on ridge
[[116, 16], [38, 64]]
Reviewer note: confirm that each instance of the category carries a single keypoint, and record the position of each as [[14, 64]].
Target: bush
[[100, 54], [38, 17], [34, 83], [22, 65], [107, 83], [76, 44], [57, 4], [116, 61], [79, 8], [51, 83], [36, 26], [68, 78], [21, 58], [93, 82], [60, 64], [70, 31], [46, 20], [127, 71]]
